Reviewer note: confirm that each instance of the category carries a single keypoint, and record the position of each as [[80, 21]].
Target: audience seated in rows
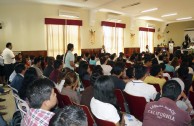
[[37, 66], [49, 68], [41, 98], [106, 68], [58, 66], [165, 111]]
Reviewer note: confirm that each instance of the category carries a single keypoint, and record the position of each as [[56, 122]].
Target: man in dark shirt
[[116, 74], [49, 68], [55, 73], [165, 111]]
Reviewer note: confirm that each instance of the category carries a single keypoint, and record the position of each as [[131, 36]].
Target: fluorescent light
[[185, 18], [167, 15], [153, 9]]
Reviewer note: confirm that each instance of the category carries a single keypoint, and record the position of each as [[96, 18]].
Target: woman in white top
[[69, 57], [104, 101]]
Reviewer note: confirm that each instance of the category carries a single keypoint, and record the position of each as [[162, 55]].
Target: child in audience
[[69, 89], [69, 116], [42, 98]]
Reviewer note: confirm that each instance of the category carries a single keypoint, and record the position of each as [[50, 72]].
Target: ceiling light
[[167, 15], [149, 10], [185, 18]]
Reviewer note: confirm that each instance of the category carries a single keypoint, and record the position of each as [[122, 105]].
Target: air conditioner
[[150, 25], [68, 14], [113, 17]]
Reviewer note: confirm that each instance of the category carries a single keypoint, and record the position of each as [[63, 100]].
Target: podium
[[170, 47]]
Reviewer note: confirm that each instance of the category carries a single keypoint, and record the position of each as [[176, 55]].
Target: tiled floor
[[10, 104]]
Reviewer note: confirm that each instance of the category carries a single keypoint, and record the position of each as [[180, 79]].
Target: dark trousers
[[9, 68]]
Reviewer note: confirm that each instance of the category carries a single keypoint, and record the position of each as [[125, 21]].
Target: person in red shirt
[[165, 112]]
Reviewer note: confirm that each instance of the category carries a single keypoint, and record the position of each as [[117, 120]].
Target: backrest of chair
[[120, 99], [136, 105], [66, 100], [191, 97], [13, 89], [86, 83], [88, 114], [157, 87], [59, 98], [101, 122]]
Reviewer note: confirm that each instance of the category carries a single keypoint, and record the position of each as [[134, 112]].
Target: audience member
[[138, 88], [42, 98], [58, 66], [49, 68], [69, 89], [20, 70], [163, 66], [106, 68], [84, 72], [92, 60], [168, 68], [37, 66], [69, 116], [165, 111]]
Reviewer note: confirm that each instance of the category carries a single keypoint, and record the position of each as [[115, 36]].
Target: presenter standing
[[103, 49]]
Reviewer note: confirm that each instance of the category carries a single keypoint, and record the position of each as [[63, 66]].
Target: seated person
[[168, 68], [137, 87], [130, 73], [104, 101], [41, 98], [58, 66], [69, 116], [49, 68], [20, 70], [116, 74], [165, 111], [84, 72], [106, 68], [154, 77], [147, 62], [37, 66], [88, 93], [163, 66], [92, 60], [70, 85]]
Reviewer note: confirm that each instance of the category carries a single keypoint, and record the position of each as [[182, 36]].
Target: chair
[[86, 83], [100, 122], [59, 98], [22, 105], [191, 97], [157, 87], [121, 100], [66, 100], [136, 105], [90, 118]]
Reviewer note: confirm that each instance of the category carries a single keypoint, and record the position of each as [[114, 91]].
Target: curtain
[[58, 36], [113, 39], [146, 38]]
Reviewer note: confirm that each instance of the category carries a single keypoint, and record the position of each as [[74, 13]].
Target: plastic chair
[[90, 118], [100, 122], [59, 98], [86, 83], [136, 105], [66, 100], [157, 87], [121, 100]]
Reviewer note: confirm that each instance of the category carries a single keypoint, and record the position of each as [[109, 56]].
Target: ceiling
[[183, 8]]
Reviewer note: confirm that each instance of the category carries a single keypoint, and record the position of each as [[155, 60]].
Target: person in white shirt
[[69, 57], [106, 68], [138, 88], [9, 60], [103, 103]]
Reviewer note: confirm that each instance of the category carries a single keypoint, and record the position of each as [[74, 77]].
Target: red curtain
[[63, 21], [113, 24], [146, 29]]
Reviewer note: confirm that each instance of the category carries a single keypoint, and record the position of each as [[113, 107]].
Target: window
[[113, 36], [146, 37], [60, 32]]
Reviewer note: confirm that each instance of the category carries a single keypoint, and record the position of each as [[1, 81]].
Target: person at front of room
[[165, 111], [9, 60], [103, 49], [147, 49]]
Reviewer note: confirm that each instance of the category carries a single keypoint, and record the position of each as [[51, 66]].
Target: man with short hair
[[20, 70], [165, 111], [42, 99], [37, 66], [137, 87], [9, 60], [69, 116]]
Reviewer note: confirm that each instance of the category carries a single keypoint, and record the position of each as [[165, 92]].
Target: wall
[[23, 25]]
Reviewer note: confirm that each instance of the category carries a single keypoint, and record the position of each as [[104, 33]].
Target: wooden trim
[[35, 53], [129, 51], [91, 51]]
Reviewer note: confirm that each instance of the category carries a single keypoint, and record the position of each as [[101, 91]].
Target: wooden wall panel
[[91, 51], [35, 53], [131, 50]]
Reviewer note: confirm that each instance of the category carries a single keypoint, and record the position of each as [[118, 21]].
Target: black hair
[[82, 71], [8, 44], [57, 63], [69, 116], [103, 60], [19, 68], [50, 61], [183, 71], [104, 90], [130, 72], [147, 58], [154, 61], [154, 70], [37, 60], [98, 69], [58, 57], [163, 66], [69, 46], [117, 68], [140, 71], [92, 57], [171, 89], [94, 77], [39, 91]]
